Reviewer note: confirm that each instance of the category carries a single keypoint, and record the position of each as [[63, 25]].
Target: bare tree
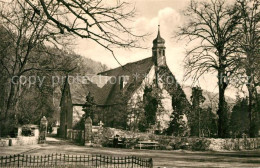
[[97, 20], [25, 41], [212, 25], [249, 43], [31, 25]]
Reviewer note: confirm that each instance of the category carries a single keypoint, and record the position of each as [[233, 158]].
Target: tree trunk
[[10, 113], [251, 88], [10, 101], [257, 115], [222, 111], [199, 125], [250, 115]]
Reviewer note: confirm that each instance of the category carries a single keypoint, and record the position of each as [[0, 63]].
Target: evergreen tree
[[177, 125], [239, 122], [197, 99], [208, 123], [89, 106], [151, 104]]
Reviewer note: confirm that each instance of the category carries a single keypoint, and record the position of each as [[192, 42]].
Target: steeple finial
[[158, 35], [158, 39]]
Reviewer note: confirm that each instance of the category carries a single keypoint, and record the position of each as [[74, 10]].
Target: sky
[[150, 13]]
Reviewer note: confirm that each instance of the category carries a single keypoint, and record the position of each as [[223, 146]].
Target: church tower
[[159, 50]]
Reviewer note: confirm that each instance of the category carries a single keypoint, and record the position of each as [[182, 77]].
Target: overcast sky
[[150, 13]]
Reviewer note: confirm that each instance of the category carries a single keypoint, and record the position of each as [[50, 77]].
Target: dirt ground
[[161, 158]]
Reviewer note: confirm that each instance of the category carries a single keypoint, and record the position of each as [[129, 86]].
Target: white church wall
[[163, 116], [140, 91], [135, 102]]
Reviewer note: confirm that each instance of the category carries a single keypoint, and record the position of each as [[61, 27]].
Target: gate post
[[43, 129], [151, 162], [88, 131]]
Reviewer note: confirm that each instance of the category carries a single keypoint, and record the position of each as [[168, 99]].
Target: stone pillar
[[88, 131], [43, 129], [19, 132]]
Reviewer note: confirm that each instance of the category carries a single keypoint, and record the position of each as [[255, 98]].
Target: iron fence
[[63, 160]]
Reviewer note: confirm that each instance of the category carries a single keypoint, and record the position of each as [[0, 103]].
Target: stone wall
[[22, 140], [19, 141], [234, 144], [190, 143], [208, 144], [101, 136]]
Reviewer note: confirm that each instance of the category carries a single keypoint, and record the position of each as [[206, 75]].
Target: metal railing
[[54, 160]]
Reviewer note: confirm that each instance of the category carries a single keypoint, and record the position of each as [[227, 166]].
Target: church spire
[[159, 50], [159, 39], [158, 35]]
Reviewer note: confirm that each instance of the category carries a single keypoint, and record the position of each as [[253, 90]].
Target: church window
[[123, 81]]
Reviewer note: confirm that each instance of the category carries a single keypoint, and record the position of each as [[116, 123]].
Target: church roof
[[98, 88], [135, 72], [129, 69], [103, 86]]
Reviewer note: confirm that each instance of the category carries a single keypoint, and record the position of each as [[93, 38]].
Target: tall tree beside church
[[212, 25], [249, 44]]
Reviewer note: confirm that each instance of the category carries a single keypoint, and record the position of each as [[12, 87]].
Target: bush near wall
[[104, 135], [192, 143]]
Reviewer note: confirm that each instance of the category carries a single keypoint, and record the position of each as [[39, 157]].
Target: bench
[[145, 144]]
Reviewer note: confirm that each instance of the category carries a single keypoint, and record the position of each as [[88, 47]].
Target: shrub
[[26, 131], [131, 142], [200, 144]]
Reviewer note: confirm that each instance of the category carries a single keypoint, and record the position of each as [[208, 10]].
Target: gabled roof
[[103, 86], [129, 69], [135, 71], [98, 85]]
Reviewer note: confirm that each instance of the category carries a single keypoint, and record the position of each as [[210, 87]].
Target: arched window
[[121, 82]]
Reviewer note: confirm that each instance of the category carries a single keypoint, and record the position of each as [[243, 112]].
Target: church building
[[141, 92]]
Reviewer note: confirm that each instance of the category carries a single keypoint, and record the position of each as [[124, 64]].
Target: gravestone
[[101, 124]]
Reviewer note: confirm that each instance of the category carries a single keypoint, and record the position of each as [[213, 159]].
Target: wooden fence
[[63, 160]]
